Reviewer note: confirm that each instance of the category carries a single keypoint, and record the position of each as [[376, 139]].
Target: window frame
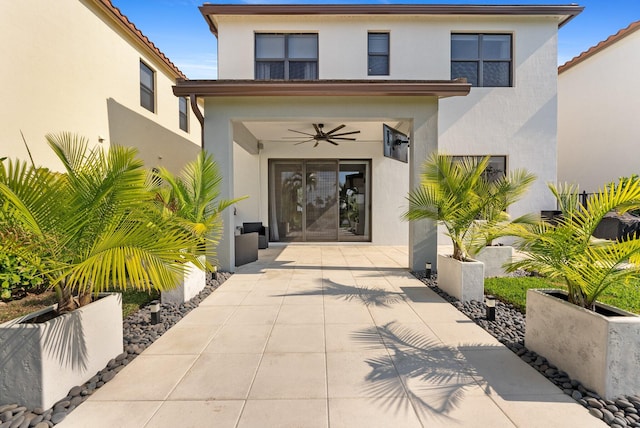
[[286, 60], [480, 60], [387, 55], [183, 115], [150, 92]]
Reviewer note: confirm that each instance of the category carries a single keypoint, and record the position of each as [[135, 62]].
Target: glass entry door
[[319, 200]]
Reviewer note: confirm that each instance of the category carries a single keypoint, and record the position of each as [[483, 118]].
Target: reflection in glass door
[[354, 193], [321, 213], [319, 200]]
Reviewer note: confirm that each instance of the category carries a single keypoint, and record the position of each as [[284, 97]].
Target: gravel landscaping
[[509, 327], [138, 334]]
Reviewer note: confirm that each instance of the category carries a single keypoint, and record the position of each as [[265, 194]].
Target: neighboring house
[[286, 69], [599, 112], [83, 67]]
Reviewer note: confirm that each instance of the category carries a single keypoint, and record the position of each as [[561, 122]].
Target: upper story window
[[378, 54], [484, 59], [147, 87], [183, 113], [287, 56]]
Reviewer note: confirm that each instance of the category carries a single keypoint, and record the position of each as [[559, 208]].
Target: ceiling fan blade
[[300, 132], [343, 138], [318, 131], [305, 141], [336, 129], [332, 142], [345, 133]]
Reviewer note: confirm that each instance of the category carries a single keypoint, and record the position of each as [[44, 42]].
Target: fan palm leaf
[[193, 198], [94, 226], [568, 251], [457, 194]]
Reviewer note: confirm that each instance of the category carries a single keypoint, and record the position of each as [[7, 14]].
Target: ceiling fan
[[321, 135]]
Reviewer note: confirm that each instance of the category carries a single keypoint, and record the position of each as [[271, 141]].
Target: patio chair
[[263, 233]]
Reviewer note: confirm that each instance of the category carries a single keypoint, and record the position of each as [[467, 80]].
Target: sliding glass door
[[319, 200]]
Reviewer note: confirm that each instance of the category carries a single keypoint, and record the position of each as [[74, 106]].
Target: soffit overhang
[[210, 11], [320, 88]]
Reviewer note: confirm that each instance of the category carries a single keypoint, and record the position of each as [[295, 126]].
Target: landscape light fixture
[[155, 312], [428, 269], [491, 307]]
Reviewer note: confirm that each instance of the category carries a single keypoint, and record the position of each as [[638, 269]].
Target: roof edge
[[131, 28], [568, 10], [347, 88], [630, 29]]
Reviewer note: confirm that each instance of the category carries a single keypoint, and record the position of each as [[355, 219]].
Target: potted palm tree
[[595, 343], [192, 198], [494, 222], [456, 194], [90, 229]]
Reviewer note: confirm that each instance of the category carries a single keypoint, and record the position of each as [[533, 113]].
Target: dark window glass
[[287, 56], [183, 108], [378, 54], [483, 59], [147, 87]]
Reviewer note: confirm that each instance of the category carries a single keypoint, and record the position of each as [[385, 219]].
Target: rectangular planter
[[41, 362], [193, 282], [494, 258], [602, 352], [463, 280]]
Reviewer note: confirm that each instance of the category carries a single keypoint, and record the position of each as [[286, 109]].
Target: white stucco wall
[[66, 67], [518, 122], [247, 170], [391, 180], [599, 116]]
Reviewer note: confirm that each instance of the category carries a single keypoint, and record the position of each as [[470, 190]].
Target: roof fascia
[[209, 10], [129, 28], [246, 88], [627, 31]]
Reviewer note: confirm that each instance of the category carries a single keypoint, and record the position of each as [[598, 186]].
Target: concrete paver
[[328, 336]]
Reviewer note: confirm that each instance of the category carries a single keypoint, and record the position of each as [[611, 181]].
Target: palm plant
[[93, 227], [457, 194], [192, 198], [568, 251]]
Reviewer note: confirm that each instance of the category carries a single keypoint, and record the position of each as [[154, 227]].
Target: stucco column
[[218, 140], [423, 234]]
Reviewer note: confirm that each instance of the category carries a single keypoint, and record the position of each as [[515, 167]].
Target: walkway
[[328, 336]]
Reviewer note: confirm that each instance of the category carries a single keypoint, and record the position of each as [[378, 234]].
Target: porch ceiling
[[274, 131]]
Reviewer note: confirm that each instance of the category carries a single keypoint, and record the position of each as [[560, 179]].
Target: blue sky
[[178, 29]]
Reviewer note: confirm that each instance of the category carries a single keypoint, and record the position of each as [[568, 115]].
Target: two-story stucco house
[[81, 66], [599, 112], [312, 103]]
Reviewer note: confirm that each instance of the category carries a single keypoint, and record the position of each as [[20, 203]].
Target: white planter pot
[[494, 258], [463, 280], [602, 352], [193, 282], [40, 363]]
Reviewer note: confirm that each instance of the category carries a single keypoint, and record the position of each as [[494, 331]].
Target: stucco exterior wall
[[598, 121], [69, 68], [518, 122]]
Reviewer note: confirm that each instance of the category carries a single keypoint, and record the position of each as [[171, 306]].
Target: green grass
[[514, 291], [133, 300]]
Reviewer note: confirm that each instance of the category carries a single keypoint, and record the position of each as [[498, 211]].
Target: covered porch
[[249, 126]]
